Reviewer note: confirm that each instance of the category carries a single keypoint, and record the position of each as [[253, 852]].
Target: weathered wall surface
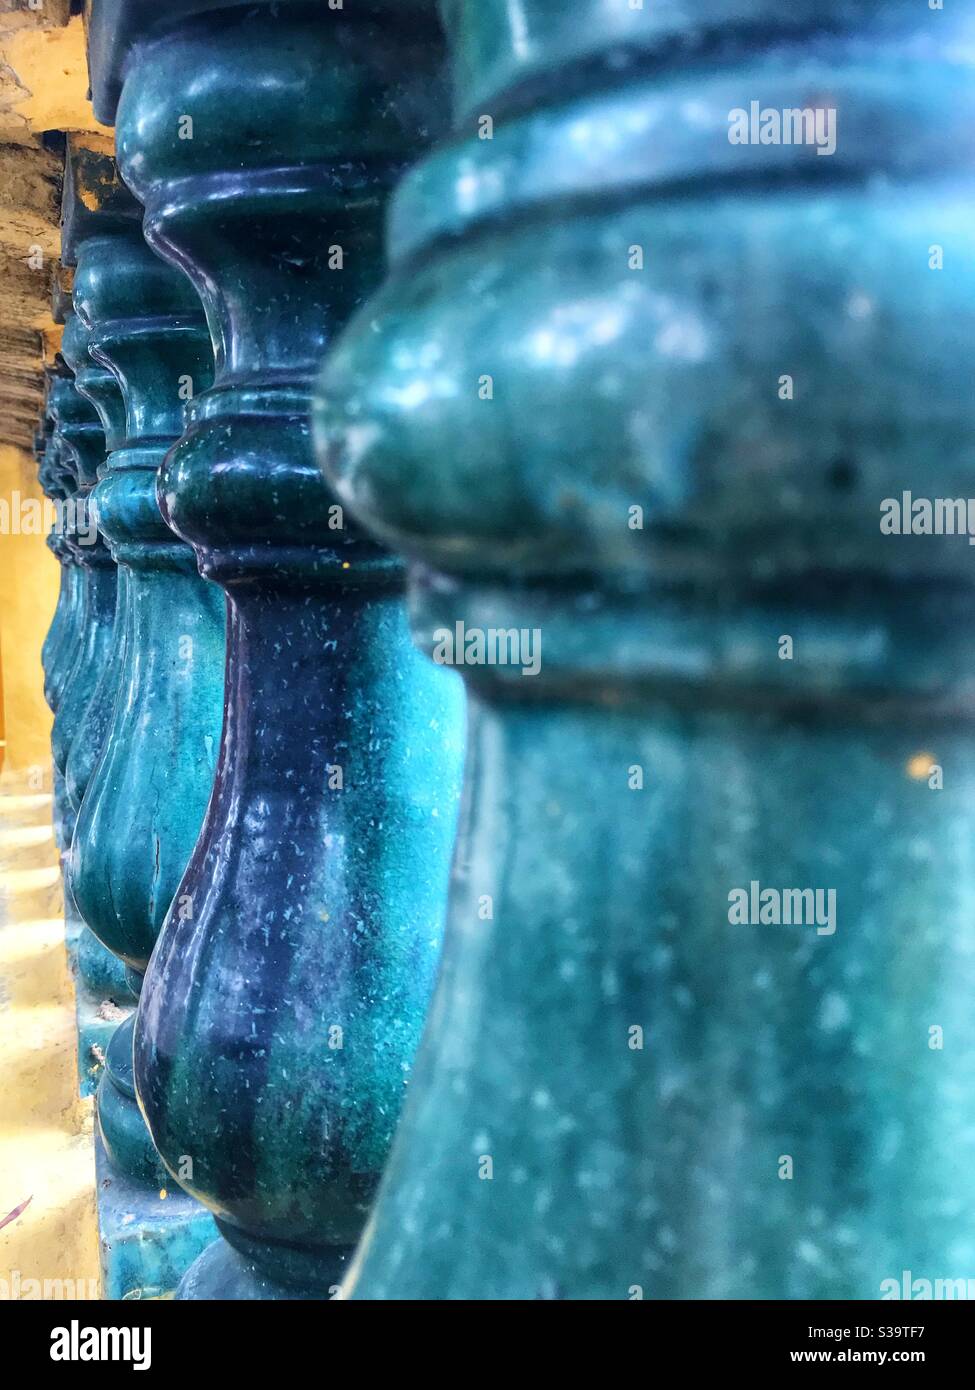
[[43, 100], [43, 92]]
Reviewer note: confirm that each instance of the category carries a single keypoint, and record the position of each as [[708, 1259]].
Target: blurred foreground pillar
[[632, 399]]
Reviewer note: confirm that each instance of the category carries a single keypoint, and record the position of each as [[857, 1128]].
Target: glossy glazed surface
[[281, 1011], [98, 386], [620, 1093], [149, 790], [162, 700]]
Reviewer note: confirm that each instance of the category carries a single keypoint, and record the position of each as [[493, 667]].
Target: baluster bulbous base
[[278, 1022], [120, 1124], [87, 748], [145, 801], [97, 624], [224, 1272]]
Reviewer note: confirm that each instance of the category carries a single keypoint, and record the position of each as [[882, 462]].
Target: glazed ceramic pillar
[[64, 639], [94, 199], [636, 392], [278, 1022], [59, 485], [64, 628], [82, 446], [148, 790], [100, 388], [61, 629], [49, 479], [103, 993]]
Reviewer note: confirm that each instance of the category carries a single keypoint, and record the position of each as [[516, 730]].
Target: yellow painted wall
[[29, 580], [52, 76], [48, 1236], [48, 1233]]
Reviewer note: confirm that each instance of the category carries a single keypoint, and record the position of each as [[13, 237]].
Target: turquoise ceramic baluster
[[155, 773], [61, 486], [102, 991], [278, 1022], [98, 386], [60, 624], [148, 790], [64, 634], [83, 446], [637, 392]]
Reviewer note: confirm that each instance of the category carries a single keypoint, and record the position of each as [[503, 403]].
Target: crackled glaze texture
[[601, 446], [283, 1004]]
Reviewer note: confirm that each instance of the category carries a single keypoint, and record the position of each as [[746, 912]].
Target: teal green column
[[103, 993], [103, 996], [146, 793], [60, 485], [64, 636], [99, 387], [61, 624], [636, 398], [82, 445], [278, 1020]]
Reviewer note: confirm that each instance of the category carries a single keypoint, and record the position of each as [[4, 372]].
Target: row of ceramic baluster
[[608, 403]]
